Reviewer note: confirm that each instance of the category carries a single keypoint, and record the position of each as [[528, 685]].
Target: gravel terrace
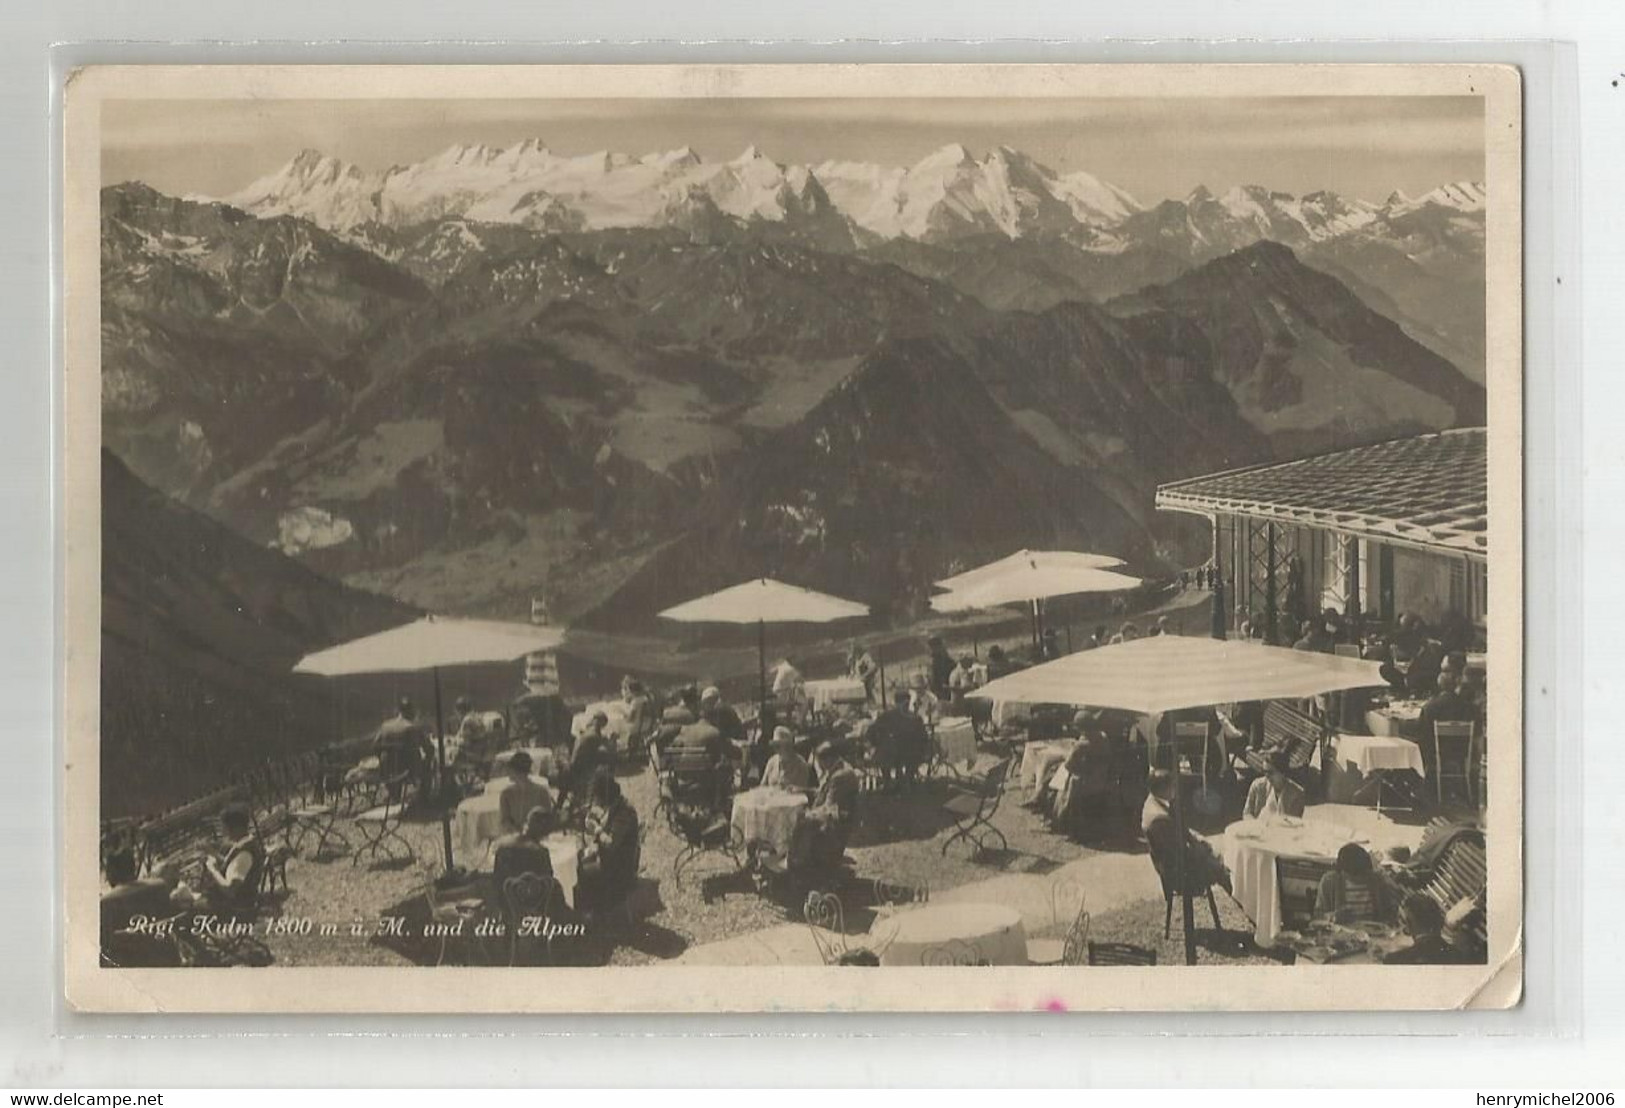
[[899, 838]]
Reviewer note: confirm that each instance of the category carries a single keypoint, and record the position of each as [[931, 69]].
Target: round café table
[[543, 762], [479, 818], [956, 741], [1040, 759], [768, 817], [479, 823], [994, 931], [618, 729], [825, 694], [1250, 850]]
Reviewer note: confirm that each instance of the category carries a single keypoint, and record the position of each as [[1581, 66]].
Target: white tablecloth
[[542, 761], [1394, 719], [1250, 850], [479, 818], [1009, 711], [995, 931], [479, 822], [831, 691], [769, 816], [1369, 753], [1039, 760], [496, 784], [619, 728], [956, 739]]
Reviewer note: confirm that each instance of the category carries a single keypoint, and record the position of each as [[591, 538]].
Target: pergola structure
[[1373, 529]]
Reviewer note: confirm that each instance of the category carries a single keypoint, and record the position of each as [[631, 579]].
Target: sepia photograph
[[806, 537]]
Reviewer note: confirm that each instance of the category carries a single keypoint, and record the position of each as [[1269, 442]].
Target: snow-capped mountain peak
[[949, 193], [1465, 196]]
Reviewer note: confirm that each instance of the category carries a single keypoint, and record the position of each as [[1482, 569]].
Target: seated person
[[1321, 635], [923, 702], [1354, 891], [1275, 793], [672, 721], [1087, 781], [701, 762], [787, 769], [899, 740], [1447, 704], [132, 896], [1423, 920], [522, 793], [820, 838], [609, 864], [721, 715], [231, 882], [1203, 868], [523, 851], [476, 743], [138, 901], [402, 745], [540, 718], [593, 749]]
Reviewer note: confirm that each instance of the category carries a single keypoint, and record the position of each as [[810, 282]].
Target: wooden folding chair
[[1452, 739], [1297, 883]]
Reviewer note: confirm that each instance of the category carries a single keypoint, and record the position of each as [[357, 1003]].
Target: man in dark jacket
[[721, 715], [609, 865], [899, 741], [402, 745], [942, 668], [821, 836]]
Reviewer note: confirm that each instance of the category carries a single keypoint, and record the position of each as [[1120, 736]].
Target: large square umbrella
[[1163, 673], [1168, 672], [761, 602], [1022, 560], [1031, 577], [430, 643]]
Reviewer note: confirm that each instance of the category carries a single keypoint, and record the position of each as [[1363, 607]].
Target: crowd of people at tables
[[698, 737]]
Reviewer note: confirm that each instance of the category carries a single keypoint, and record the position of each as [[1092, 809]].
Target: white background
[[1567, 1035]]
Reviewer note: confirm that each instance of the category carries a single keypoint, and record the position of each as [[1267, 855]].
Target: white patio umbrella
[[1037, 583], [761, 602], [1031, 577], [1168, 672], [1163, 673], [430, 643], [1023, 559]]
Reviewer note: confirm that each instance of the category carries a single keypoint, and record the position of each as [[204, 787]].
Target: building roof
[[1427, 492]]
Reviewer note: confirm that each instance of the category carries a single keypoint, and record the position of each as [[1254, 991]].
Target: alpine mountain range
[[618, 381]]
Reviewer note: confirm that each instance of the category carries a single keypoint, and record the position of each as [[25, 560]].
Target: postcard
[[804, 538]]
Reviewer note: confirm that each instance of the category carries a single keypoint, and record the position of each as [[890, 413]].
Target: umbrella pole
[[1187, 909], [440, 778], [761, 670]]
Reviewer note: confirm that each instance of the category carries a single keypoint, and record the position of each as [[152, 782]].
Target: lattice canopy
[[1428, 492]]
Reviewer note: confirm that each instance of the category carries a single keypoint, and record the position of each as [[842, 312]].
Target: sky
[[1156, 149]]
